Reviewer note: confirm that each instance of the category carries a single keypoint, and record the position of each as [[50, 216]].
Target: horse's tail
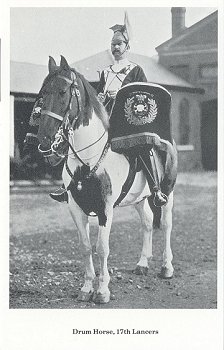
[[156, 213]]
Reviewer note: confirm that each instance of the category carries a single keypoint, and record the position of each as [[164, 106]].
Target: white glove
[[101, 97], [112, 94]]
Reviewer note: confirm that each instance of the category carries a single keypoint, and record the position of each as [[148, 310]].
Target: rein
[[72, 148], [91, 172], [62, 135]]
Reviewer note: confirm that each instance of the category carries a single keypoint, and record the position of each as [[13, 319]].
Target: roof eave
[[185, 31], [192, 90]]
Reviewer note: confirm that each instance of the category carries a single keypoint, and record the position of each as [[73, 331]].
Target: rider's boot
[[60, 194], [159, 198]]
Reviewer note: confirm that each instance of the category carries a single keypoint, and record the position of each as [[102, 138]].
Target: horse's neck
[[89, 141]]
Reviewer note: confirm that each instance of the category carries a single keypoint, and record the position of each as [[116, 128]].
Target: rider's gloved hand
[[112, 94], [101, 97]]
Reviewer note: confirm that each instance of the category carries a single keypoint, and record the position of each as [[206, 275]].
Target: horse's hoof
[[84, 296], [141, 270], [166, 273], [101, 298]]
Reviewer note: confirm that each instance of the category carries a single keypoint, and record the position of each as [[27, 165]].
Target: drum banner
[[141, 115]]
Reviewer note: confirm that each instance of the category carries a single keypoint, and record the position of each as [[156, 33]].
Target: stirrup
[[159, 199], [60, 195]]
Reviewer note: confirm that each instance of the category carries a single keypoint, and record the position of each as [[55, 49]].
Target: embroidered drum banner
[[141, 115]]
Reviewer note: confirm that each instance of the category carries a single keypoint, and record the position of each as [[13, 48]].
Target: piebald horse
[[74, 124]]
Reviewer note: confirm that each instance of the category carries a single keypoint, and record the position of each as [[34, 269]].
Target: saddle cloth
[[140, 116]]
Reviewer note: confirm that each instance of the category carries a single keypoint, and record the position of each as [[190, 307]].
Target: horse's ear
[[64, 64], [51, 64]]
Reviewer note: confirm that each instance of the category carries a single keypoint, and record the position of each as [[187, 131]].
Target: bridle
[[75, 93], [66, 124]]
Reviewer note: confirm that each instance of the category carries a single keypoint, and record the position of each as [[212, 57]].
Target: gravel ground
[[46, 269]]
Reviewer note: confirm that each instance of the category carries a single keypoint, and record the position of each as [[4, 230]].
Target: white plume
[[128, 26]]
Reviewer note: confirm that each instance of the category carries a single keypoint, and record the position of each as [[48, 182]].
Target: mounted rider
[[112, 79], [122, 71]]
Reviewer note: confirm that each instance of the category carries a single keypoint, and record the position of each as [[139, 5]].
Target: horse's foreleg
[[82, 224], [166, 225], [102, 247], [146, 217]]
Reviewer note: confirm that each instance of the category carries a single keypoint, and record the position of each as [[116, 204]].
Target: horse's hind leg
[[82, 224], [166, 225], [102, 247], [146, 217]]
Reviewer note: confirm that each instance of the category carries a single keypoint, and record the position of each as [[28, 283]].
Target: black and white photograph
[[115, 176]]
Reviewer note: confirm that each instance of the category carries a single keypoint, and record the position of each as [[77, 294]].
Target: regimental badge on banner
[[140, 108]]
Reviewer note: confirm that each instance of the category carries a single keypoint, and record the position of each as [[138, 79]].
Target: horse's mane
[[92, 103]]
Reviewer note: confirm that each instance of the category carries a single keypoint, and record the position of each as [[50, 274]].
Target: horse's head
[[67, 101], [61, 103]]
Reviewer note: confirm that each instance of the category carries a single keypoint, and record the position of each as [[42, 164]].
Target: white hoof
[[84, 296], [166, 272], [101, 298]]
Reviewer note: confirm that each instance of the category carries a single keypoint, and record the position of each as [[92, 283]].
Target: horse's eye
[[62, 92]]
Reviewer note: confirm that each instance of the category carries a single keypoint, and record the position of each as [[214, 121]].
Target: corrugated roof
[[154, 72], [28, 77]]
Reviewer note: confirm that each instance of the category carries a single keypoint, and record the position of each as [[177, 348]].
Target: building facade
[[186, 67], [192, 54]]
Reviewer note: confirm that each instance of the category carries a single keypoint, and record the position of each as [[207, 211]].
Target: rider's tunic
[[117, 75]]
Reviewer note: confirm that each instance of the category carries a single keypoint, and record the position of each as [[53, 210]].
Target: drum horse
[[74, 126]]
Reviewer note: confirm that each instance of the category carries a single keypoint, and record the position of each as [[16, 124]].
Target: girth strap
[[129, 181]]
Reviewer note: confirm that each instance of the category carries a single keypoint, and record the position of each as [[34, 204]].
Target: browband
[[64, 78]]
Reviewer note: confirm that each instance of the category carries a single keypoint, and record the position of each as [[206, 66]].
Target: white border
[[52, 329]]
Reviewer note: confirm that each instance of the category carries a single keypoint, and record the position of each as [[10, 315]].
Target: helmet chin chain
[[125, 49]]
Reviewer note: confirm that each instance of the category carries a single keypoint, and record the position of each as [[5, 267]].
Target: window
[[184, 123]]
